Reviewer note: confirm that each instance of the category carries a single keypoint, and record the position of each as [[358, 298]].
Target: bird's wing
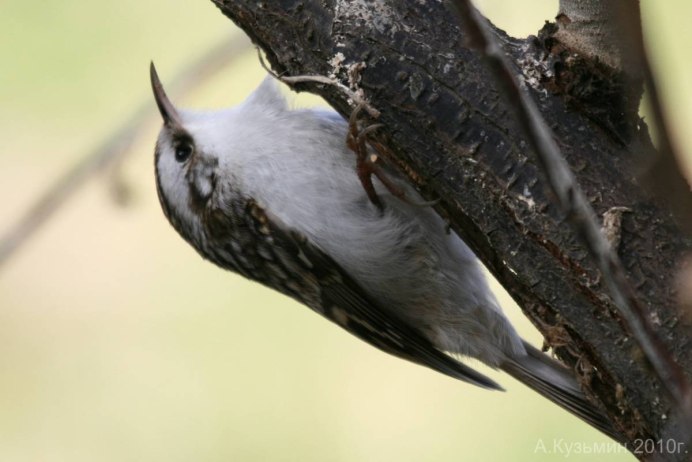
[[328, 289], [263, 248]]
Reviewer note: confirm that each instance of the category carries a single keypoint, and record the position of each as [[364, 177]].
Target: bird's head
[[186, 166], [201, 155]]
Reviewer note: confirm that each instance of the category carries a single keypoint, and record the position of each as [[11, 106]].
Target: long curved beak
[[170, 115]]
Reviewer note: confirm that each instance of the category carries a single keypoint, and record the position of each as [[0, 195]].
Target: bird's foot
[[368, 162]]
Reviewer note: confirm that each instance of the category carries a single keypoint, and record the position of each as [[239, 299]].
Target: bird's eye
[[183, 151]]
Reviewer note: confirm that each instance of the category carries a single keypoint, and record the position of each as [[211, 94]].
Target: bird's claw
[[367, 160]]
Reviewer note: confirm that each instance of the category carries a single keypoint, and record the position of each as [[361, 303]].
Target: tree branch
[[576, 207], [447, 127], [611, 33]]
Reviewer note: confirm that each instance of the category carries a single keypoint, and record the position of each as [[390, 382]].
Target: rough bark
[[610, 32], [446, 125]]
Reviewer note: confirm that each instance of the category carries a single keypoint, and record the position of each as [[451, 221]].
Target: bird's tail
[[553, 380]]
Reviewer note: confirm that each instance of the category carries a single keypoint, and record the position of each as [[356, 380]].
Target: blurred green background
[[118, 343]]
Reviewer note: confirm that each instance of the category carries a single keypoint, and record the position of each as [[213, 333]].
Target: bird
[[270, 192]]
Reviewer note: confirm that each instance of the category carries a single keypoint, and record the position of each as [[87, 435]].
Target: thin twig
[[355, 97], [575, 205], [113, 148]]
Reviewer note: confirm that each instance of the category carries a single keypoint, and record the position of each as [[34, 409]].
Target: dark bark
[[447, 126]]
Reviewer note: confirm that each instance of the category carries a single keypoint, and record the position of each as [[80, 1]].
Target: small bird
[[271, 193]]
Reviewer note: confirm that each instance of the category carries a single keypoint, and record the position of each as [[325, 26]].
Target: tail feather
[[552, 380]]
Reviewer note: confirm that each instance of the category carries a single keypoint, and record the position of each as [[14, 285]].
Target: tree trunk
[[446, 125]]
